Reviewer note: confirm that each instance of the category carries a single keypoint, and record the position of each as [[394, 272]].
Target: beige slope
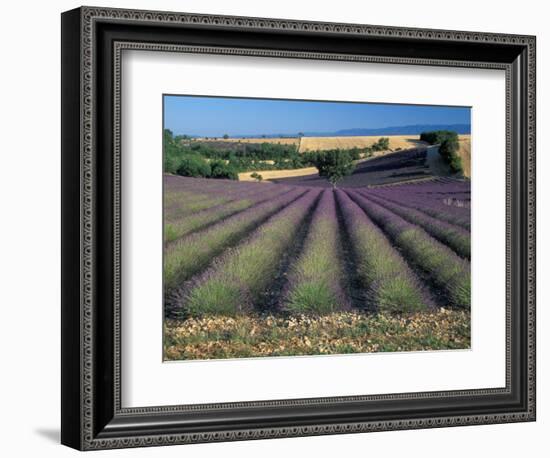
[[274, 174], [324, 143], [464, 151]]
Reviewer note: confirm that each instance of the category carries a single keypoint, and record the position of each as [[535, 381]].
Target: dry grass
[[217, 337], [279, 141], [464, 151], [324, 143], [277, 174]]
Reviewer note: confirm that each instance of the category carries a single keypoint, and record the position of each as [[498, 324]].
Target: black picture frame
[[92, 416]]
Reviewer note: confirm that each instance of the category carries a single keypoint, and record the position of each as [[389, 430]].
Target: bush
[[438, 136], [382, 144], [449, 152], [256, 176], [334, 164], [194, 166], [220, 169], [448, 148], [355, 153]]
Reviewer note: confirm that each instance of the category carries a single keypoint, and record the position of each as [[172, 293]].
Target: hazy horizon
[[206, 116]]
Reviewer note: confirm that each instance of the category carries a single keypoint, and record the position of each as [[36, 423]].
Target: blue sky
[[216, 116]]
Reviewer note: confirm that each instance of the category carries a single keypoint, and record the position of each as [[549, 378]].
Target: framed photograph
[[276, 228]]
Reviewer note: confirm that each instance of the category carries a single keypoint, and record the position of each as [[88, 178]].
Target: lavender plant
[[458, 239], [450, 272], [315, 280], [389, 283], [235, 282], [175, 229], [191, 254]]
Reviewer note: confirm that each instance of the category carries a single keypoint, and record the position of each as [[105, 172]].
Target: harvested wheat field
[[325, 143], [464, 151], [278, 174]]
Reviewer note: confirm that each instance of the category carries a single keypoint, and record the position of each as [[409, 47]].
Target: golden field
[[274, 174], [464, 151], [324, 143]]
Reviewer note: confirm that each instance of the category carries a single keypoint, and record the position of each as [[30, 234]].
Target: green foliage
[[449, 152], [456, 165], [171, 152], [256, 176], [448, 149], [382, 144], [355, 153], [334, 164], [225, 136], [222, 169], [191, 157], [193, 165], [438, 136]]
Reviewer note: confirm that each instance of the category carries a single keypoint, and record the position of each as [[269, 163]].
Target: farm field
[[327, 143], [297, 268], [410, 164], [276, 140], [464, 151], [273, 175], [400, 166]]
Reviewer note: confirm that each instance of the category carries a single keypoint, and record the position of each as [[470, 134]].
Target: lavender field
[[263, 269]]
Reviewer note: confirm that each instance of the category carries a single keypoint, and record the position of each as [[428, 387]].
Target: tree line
[[187, 157]]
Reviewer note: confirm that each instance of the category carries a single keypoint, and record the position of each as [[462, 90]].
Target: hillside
[[344, 142]]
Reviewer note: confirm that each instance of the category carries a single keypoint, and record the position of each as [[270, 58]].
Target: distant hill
[[402, 130], [360, 131]]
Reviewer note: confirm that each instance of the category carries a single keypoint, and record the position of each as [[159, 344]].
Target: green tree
[[334, 165], [193, 165], [225, 136], [221, 169], [438, 136]]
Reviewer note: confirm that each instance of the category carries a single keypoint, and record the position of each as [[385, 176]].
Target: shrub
[[382, 144], [438, 136], [256, 176], [449, 152], [221, 169], [456, 165], [194, 166], [355, 153]]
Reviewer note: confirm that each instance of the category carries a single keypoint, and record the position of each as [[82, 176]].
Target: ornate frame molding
[[89, 436]]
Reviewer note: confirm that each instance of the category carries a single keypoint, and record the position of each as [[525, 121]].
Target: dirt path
[[435, 162]]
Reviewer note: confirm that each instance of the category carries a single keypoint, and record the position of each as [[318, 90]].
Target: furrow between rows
[[315, 280], [444, 267], [236, 282], [191, 254], [181, 227], [390, 285], [454, 237], [431, 207]]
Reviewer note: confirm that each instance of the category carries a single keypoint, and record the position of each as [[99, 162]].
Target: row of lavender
[[284, 247]]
